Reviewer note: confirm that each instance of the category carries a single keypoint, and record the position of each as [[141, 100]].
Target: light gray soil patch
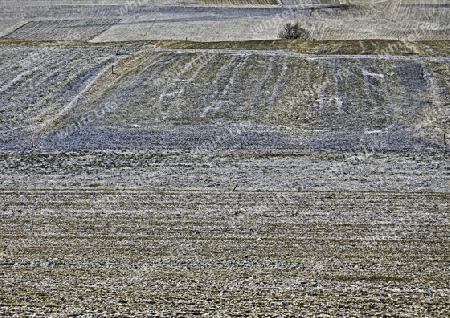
[[62, 29], [7, 27]]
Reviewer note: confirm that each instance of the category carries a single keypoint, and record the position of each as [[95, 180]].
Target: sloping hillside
[[82, 94], [257, 178], [223, 20]]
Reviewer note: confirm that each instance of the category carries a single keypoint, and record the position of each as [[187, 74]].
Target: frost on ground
[[258, 178], [62, 29], [144, 180], [135, 95], [106, 252], [208, 20]]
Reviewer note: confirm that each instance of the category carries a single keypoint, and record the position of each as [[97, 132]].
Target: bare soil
[[261, 178]]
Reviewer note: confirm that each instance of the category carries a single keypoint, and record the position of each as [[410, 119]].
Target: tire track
[[171, 91], [97, 72], [278, 84], [113, 101], [211, 98], [262, 83]]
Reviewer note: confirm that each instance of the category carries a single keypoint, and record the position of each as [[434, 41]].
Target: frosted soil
[[231, 253], [57, 30], [139, 95], [230, 20], [188, 181], [238, 178]]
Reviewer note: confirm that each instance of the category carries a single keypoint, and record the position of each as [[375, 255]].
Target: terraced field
[[192, 97], [211, 20], [180, 178], [266, 178]]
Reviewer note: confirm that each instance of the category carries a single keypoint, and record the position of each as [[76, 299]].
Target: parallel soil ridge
[[245, 178], [222, 20], [190, 95], [163, 253]]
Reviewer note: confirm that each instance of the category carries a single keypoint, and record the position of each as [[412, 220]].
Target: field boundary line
[[312, 57], [74, 191]]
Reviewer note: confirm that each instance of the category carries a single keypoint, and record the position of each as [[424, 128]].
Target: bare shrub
[[293, 31]]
